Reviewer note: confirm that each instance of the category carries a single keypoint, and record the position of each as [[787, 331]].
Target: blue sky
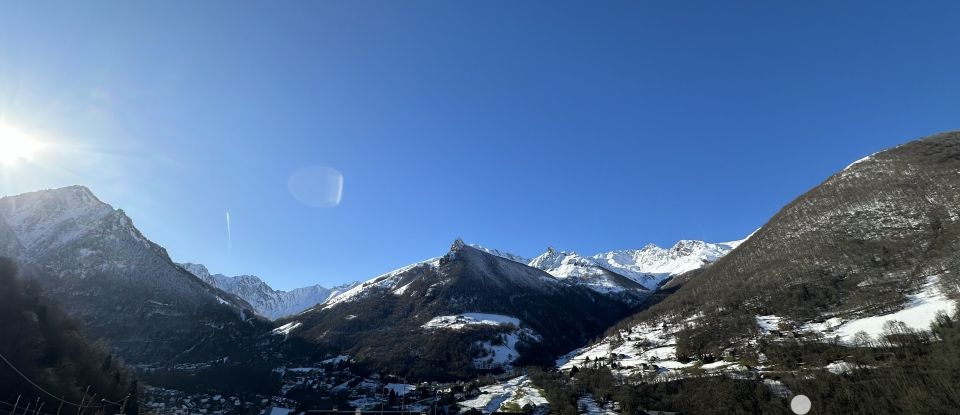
[[587, 126]]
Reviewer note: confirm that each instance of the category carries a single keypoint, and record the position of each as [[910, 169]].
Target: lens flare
[[317, 186]]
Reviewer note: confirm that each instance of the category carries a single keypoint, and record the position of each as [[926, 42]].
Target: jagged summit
[[267, 301]]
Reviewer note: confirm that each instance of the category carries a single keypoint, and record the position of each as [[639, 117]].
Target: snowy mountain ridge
[[631, 272], [267, 301], [653, 265], [649, 266]]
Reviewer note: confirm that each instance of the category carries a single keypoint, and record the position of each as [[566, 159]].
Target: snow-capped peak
[[652, 264], [66, 213]]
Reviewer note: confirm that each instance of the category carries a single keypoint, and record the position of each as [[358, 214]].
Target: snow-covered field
[[519, 390]]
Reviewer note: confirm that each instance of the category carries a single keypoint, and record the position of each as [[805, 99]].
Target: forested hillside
[[857, 245], [50, 350]]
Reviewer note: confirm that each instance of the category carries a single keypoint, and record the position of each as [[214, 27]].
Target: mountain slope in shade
[[455, 316], [91, 259], [268, 302]]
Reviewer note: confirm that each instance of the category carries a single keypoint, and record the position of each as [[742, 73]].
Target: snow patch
[[859, 161], [458, 322], [285, 329], [768, 323]]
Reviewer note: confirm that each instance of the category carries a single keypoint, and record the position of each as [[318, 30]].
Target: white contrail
[[229, 236]]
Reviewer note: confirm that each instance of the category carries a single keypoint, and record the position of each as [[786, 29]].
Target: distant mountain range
[[268, 302], [92, 259], [629, 274]]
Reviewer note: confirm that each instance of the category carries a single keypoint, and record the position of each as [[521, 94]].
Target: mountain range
[[94, 262], [267, 301], [859, 263]]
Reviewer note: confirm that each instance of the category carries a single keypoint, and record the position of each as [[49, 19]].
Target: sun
[[15, 145]]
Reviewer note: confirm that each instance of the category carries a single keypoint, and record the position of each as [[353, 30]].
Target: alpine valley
[[847, 295]]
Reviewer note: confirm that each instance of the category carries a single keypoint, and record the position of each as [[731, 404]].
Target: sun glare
[[15, 146]]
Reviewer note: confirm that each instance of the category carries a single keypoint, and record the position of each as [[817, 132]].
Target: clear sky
[[588, 126]]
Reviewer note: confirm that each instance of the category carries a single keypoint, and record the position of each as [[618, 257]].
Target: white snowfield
[[459, 321], [519, 390]]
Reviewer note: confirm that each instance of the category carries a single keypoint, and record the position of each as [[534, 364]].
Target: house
[[273, 410]]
